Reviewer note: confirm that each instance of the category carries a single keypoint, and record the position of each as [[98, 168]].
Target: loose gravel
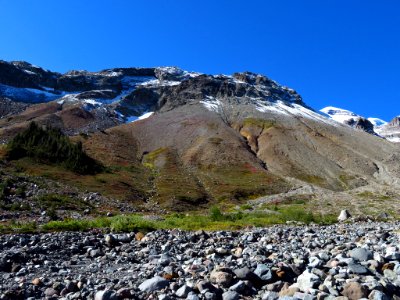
[[342, 261]]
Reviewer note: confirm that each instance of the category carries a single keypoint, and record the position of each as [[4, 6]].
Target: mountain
[[182, 140], [388, 130]]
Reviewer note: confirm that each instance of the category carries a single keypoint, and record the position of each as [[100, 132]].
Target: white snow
[[112, 74], [27, 94], [135, 118], [29, 72], [338, 114], [93, 102], [157, 82], [262, 106], [377, 121], [211, 103], [40, 92], [393, 139], [281, 107]]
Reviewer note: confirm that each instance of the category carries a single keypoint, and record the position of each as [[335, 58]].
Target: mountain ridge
[[198, 139]]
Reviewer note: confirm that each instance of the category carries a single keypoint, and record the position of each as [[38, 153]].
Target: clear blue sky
[[344, 53]]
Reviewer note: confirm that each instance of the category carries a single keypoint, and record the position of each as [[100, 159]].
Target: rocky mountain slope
[[184, 139]]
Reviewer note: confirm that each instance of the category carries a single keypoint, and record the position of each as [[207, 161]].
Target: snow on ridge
[[393, 139], [29, 72], [137, 118], [377, 122], [157, 82], [281, 107], [178, 71], [211, 103], [28, 94], [339, 115]]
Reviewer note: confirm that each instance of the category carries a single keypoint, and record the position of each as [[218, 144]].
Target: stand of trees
[[51, 146]]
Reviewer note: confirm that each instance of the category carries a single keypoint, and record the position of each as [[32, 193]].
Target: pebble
[[340, 261]]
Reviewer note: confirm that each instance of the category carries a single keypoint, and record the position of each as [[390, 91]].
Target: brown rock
[[354, 291], [389, 266], [139, 236], [221, 278], [170, 276], [280, 273], [36, 281], [288, 291]]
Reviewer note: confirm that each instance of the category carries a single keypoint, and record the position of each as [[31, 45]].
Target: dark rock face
[[139, 101], [233, 90], [362, 124], [395, 122], [9, 107], [25, 75]]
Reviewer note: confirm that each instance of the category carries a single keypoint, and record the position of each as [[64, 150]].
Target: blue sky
[[333, 52]]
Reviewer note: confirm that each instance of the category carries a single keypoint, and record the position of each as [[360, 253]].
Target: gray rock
[[314, 262], [246, 274], [106, 295], [391, 275], [110, 240], [302, 296], [270, 296], [239, 286], [183, 291], [49, 292], [205, 285], [361, 254], [192, 296], [377, 295], [357, 269], [154, 284], [230, 295], [307, 281], [344, 215], [264, 272], [210, 296]]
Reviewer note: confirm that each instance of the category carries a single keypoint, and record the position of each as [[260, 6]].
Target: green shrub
[[216, 214], [51, 146]]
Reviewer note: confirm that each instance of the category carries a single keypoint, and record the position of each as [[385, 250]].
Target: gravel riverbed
[[342, 261]]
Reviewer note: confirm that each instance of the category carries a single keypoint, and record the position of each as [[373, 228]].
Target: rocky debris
[[344, 215], [9, 107], [280, 262], [25, 198]]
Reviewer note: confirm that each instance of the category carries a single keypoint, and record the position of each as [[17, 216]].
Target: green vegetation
[[215, 140], [173, 184], [371, 195], [55, 201], [312, 179], [264, 124], [149, 159], [240, 182], [51, 146], [215, 219]]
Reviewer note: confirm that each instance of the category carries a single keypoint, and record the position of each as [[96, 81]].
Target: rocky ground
[[342, 261]]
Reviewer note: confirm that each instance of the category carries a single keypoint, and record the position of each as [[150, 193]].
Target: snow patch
[[339, 115], [29, 72], [393, 139], [211, 103], [157, 83], [137, 118], [377, 121], [27, 94]]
